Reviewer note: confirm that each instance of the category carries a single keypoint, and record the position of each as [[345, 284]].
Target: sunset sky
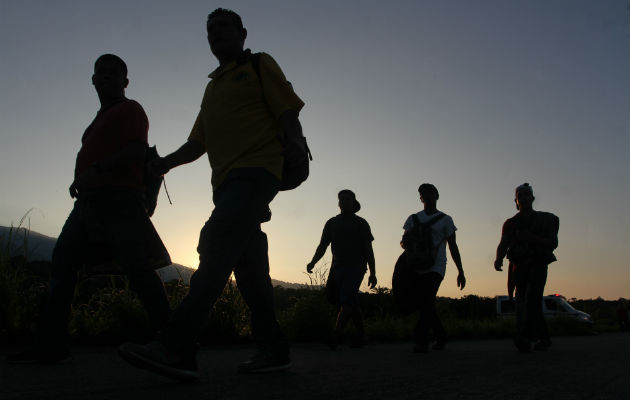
[[475, 97]]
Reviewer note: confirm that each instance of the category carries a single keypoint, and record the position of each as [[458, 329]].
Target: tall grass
[[109, 312], [21, 294]]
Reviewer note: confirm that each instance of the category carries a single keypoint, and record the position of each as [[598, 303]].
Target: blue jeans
[[232, 240], [111, 226]]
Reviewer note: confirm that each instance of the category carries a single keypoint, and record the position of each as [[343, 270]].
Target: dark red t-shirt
[[539, 223], [110, 132]]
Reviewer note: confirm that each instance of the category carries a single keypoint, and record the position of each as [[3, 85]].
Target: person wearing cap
[[528, 240], [428, 283], [351, 239]]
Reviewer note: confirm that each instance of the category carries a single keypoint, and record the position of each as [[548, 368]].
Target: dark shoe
[[523, 345], [39, 357], [542, 345], [439, 344], [155, 357], [421, 348], [265, 362]]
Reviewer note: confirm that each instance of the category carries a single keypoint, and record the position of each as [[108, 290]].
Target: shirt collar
[[220, 70]]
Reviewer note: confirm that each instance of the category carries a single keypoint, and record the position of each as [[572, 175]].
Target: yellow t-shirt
[[238, 121]]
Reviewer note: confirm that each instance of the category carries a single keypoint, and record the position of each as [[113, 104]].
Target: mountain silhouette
[[37, 247]]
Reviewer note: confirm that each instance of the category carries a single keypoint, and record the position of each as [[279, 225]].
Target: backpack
[[418, 244], [404, 286], [296, 171], [152, 183]]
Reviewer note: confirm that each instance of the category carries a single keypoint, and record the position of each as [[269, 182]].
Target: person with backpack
[[426, 235], [528, 239], [248, 125], [109, 220], [351, 239]]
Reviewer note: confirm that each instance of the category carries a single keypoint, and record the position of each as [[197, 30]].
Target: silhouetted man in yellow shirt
[[238, 127]]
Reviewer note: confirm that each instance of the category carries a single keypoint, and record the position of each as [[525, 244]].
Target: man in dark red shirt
[[108, 215], [528, 240]]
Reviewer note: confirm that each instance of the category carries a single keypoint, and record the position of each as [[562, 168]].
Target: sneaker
[[155, 357], [34, 356], [542, 345], [261, 363], [439, 344]]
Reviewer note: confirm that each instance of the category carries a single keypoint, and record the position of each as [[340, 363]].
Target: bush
[[111, 315], [105, 310], [311, 317]]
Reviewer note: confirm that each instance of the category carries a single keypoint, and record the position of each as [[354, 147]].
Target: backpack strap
[[255, 59], [434, 219], [417, 224]]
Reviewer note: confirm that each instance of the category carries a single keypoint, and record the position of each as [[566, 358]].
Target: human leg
[[428, 285], [348, 282], [254, 283], [522, 339], [239, 206], [128, 233], [537, 325]]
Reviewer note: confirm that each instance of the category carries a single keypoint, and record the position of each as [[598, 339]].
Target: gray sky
[[475, 97]]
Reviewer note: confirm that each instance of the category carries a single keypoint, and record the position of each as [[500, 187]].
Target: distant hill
[[178, 271], [37, 247], [23, 242]]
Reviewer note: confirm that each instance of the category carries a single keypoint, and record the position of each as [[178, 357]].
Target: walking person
[[351, 239], [244, 108], [528, 239], [108, 214], [428, 280]]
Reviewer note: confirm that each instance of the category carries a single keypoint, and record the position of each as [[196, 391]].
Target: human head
[[110, 76], [348, 201], [428, 193], [524, 197], [226, 34]]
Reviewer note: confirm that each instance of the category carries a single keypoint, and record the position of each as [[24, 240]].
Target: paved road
[[593, 368]]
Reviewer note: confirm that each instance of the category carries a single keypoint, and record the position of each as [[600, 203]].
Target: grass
[[110, 312]]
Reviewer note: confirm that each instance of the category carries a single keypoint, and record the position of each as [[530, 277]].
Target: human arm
[[457, 259], [320, 251], [188, 152], [504, 245], [372, 281]]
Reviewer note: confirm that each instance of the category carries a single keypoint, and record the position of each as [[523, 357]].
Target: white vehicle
[[553, 306]]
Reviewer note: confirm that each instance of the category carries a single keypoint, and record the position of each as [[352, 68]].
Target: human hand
[[309, 267], [461, 281], [372, 281], [74, 191], [87, 176], [498, 264], [158, 167]]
